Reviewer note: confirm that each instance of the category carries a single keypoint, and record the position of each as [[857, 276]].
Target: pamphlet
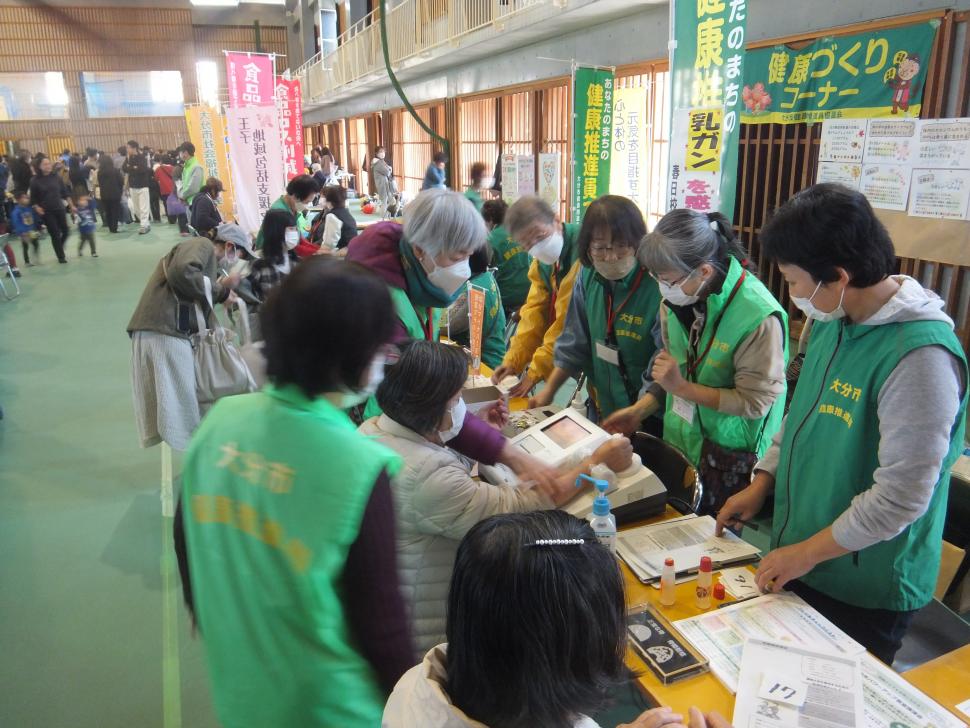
[[891, 702]]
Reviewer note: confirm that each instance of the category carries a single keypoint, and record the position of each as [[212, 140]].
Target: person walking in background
[[205, 215], [164, 176], [21, 171], [192, 181], [110, 185], [47, 194], [383, 178], [24, 226], [434, 176], [87, 223], [139, 176], [119, 157]]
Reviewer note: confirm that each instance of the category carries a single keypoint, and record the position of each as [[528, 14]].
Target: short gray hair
[[441, 221], [527, 211], [685, 239]]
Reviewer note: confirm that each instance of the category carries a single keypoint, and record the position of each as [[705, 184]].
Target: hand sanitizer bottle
[[603, 522]]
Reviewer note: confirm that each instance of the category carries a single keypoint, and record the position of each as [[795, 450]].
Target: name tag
[[684, 409], [607, 353]]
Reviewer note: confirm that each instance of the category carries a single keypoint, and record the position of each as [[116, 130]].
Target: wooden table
[[945, 679]]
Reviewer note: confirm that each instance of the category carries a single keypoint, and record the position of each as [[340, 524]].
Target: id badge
[[684, 409], [609, 354]]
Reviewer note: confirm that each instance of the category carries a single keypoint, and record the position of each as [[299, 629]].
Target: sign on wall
[[550, 176], [592, 134], [628, 166]]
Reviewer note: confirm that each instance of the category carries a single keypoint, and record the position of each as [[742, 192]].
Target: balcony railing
[[415, 28]]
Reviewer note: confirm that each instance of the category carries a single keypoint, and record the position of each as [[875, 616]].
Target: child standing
[[87, 222], [25, 227]]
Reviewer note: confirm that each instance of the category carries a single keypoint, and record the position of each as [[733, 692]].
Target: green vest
[[513, 264], [493, 328], [552, 275], [190, 164], [635, 302], [476, 199], [751, 305], [280, 204], [274, 490], [830, 451]]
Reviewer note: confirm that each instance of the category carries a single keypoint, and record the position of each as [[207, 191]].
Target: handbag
[[251, 351], [173, 205], [220, 370]]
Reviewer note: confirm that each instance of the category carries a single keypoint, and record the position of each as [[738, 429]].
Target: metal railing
[[415, 28]]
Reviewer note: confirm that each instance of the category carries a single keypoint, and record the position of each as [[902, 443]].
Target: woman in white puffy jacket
[[435, 496]]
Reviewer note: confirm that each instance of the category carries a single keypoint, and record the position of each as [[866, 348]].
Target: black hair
[[478, 262], [616, 214], [105, 162], [416, 390], [325, 150], [133, 143], [494, 211], [477, 172], [302, 186], [188, 147], [274, 234], [122, 150], [335, 195], [440, 158], [310, 342], [830, 226], [536, 633]]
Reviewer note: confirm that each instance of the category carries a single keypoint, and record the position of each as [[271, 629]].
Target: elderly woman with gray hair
[[425, 265], [722, 369]]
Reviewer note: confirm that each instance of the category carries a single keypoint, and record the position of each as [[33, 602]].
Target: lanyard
[[610, 313], [554, 281], [693, 362], [428, 324]]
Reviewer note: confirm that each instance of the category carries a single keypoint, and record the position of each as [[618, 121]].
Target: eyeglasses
[[674, 283], [601, 251]]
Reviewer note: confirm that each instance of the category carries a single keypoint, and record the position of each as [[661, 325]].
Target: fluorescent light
[[54, 89], [166, 86], [216, 3]]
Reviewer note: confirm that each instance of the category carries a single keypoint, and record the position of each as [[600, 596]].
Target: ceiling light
[[216, 3]]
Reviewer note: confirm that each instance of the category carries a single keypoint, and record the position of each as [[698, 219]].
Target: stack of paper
[[685, 540]]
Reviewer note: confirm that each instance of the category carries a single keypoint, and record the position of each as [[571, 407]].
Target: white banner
[[628, 168], [526, 166], [550, 178], [510, 178], [256, 162]]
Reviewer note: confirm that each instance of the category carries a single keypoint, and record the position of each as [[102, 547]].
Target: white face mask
[[487, 183], [675, 294], [300, 206], [808, 308], [615, 270], [292, 238], [457, 421], [450, 278], [375, 375], [548, 250]]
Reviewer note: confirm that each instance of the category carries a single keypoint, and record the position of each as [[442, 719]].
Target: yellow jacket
[[549, 293]]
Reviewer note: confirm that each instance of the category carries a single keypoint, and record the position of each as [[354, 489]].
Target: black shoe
[[94, 255], [62, 260]]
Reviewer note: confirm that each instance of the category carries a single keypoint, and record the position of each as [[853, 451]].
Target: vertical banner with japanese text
[[707, 60], [476, 325], [290, 105], [251, 79], [207, 131], [255, 162], [592, 133], [628, 167]]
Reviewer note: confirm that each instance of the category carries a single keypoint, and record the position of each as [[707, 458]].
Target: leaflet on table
[[944, 143], [685, 540], [940, 193], [891, 702], [783, 685], [720, 635]]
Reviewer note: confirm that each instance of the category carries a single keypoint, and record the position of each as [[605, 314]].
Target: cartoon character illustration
[[901, 82], [756, 98]]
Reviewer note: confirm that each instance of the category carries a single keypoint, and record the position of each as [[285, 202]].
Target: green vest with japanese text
[[279, 204], [513, 264], [274, 490], [830, 452], [190, 164], [749, 308], [635, 301]]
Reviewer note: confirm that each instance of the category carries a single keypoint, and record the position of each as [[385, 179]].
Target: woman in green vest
[[479, 183], [609, 328], [722, 369], [289, 521], [510, 259], [861, 468], [299, 195]]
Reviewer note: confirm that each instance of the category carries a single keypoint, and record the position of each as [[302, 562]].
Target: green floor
[[91, 625]]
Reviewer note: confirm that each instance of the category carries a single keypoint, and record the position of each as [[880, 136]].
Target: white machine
[[567, 436]]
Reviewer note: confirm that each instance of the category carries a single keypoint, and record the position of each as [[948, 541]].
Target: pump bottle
[[603, 522]]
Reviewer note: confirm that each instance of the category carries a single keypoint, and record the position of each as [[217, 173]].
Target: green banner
[[707, 66], [877, 74], [592, 136]]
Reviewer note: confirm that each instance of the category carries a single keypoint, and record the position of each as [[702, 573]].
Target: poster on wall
[[289, 102], [526, 172], [944, 143], [255, 162], [550, 176], [886, 185], [843, 140], [891, 141], [207, 131], [707, 66], [940, 193], [510, 178], [628, 166], [843, 173], [592, 132], [865, 75], [251, 79]]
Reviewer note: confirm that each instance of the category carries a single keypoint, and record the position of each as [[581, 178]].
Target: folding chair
[[6, 271]]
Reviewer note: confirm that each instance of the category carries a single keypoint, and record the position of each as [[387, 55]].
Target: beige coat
[[419, 699], [436, 503]]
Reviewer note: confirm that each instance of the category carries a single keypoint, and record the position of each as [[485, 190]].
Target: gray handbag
[[220, 369]]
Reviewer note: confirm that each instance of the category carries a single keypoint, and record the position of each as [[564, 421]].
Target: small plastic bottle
[[603, 522], [668, 584], [704, 579]]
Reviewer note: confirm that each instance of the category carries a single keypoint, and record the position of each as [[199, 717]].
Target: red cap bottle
[[719, 591], [705, 563]]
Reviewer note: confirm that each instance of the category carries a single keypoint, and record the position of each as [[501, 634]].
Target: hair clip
[[715, 227], [558, 542]]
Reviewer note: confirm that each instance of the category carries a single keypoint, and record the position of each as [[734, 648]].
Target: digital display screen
[[565, 432]]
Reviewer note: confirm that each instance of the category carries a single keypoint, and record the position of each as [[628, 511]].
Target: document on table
[[685, 540], [720, 635], [782, 685], [891, 702]]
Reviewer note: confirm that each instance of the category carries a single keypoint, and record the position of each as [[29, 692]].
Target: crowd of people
[[404, 560]]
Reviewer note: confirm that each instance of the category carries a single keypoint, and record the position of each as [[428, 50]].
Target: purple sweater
[[378, 248]]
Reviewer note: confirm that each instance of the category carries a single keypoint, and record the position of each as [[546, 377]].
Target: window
[[33, 96], [207, 77], [133, 93], [479, 138]]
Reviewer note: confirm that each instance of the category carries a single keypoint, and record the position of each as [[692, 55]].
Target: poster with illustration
[[944, 143], [550, 178], [843, 140], [940, 193], [526, 167], [842, 173], [891, 141], [886, 185]]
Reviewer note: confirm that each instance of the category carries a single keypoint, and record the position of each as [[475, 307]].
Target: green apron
[[513, 264]]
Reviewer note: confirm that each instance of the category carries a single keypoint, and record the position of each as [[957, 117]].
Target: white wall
[[638, 37]]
